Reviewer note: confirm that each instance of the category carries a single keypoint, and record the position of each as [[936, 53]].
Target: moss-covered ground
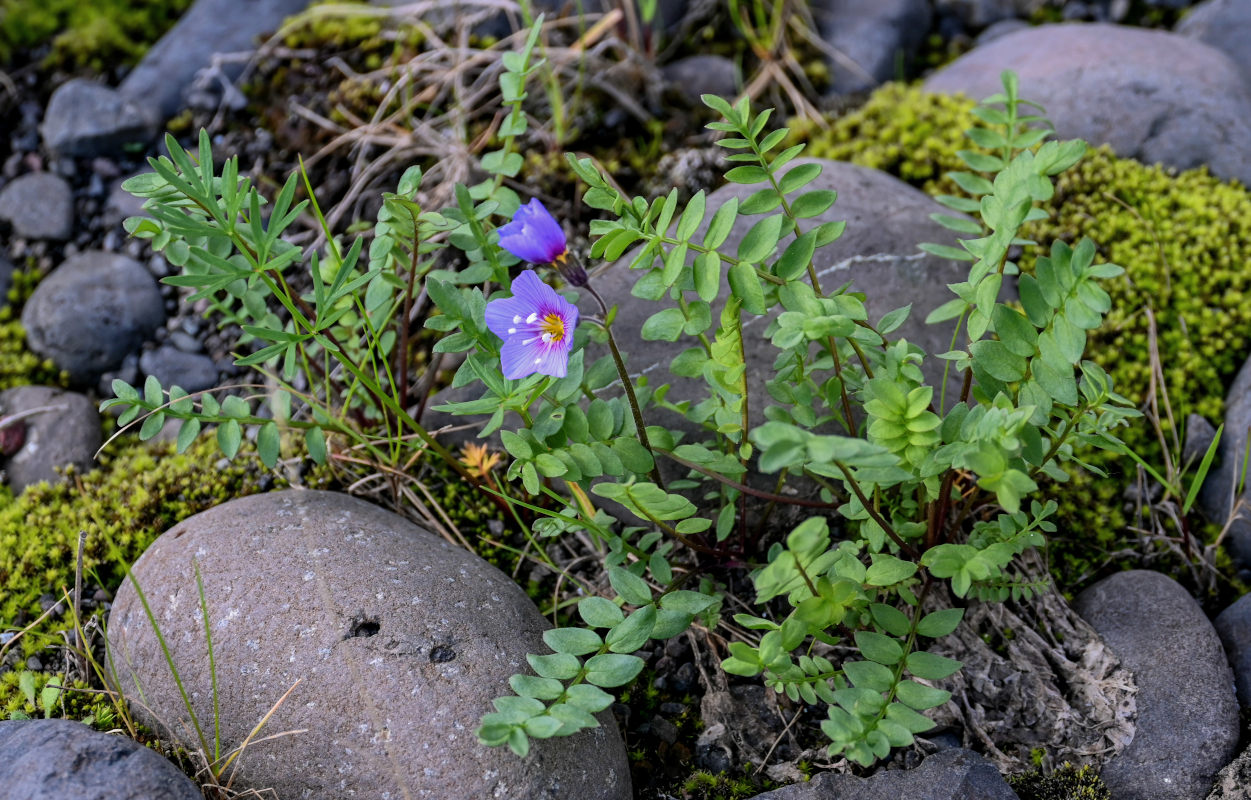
[[98, 35]]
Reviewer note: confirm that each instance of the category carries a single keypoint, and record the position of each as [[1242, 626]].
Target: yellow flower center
[[554, 327]]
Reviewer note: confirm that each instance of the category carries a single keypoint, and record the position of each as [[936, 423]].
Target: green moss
[[78, 701], [96, 35], [1066, 783], [1182, 238], [722, 786], [19, 366], [137, 493]]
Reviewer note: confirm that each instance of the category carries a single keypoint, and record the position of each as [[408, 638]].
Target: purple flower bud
[[536, 325], [534, 235]]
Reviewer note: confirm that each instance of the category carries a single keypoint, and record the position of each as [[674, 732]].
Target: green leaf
[[891, 619], [633, 589], [920, 697], [187, 434], [707, 274], [797, 256], [560, 666], [762, 239], [613, 669], [574, 641], [687, 602], [747, 174], [591, 699], [268, 444], [998, 361], [688, 223], [869, 675], [663, 326], [721, 225], [879, 648], [634, 632], [538, 688], [746, 286], [940, 623], [930, 666], [600, 612], [315, 441], [542, 727], [152, 425], [229, 436], [887, 570], [813, 204]]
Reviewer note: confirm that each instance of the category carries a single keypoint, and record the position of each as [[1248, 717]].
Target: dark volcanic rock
[[85, 118], [953, 774], [1151, 95], [39, 205], [62, 429], [91, 311], [702, 74], [398, 639], [1187, 727], [57, 759]]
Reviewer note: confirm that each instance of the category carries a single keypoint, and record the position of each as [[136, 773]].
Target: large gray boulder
[[91, 312], [1151, 95], [1187, 727], [1225, 25], [399, 642], [1219, 498], [54, 429], [58, 759], [952, 774], [1233, 625]]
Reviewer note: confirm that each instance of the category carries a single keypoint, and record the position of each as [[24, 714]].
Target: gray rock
[[85, 118], [1234, 781], [39, 205], [122, 205], [6, 280], [1151, 95], [1199, 437], [193, 372], [59, 759], [1233, 625], [91, 311], [1225, 25], [1217, 497], [63, 429], [869, 38], [980, 13], [953, 774], [208, 27], [1187, 726], [1000, 29], [702, 74], [399, 640]]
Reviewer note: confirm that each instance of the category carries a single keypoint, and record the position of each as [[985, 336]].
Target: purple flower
[[536, 325], [534, 235]]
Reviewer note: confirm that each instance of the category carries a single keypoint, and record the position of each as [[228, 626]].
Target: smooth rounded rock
[[1233, 625], [868, 38], [1187, 726], [398, 639], [55, 429], [59, 759], [952, 774], [86, 119], [1225, 25], [193, 372], [91, 311], [6, 280], [39, 205], [702, 74], [1151, 95], [1217, 498]]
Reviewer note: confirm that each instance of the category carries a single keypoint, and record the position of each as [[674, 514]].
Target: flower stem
[[629, 387]]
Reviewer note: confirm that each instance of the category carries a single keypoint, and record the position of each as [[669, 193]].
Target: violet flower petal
[[534, 235]]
